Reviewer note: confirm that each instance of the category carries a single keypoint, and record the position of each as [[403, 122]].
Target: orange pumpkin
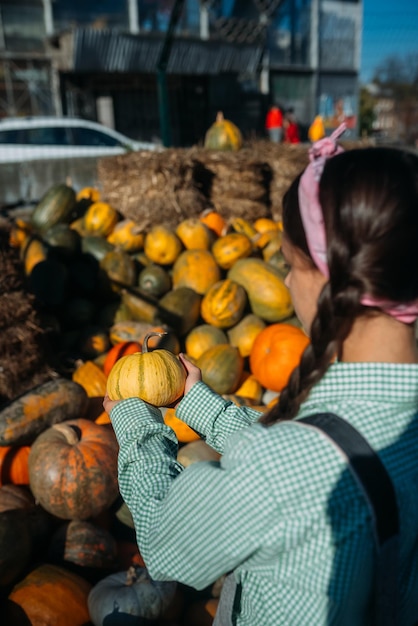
[[73, 469], [14, 465], [103, 418], [162, 245], [203, 337], [122, 348], [34, 251], [91, 377], [264, 224], [88, 193], [214, 221], [51, 594], [196, 269], [231, 247], [100, 219], [250, 388], [184, 433], [19, 233], [243, 226], [194, 234], [93, 341], [276, 352], [223, 304], [127, 235]]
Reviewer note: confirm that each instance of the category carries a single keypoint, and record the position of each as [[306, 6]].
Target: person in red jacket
[[274, 124], [291, 128]]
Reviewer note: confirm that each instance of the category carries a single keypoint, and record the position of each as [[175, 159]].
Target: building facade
[[105, 60]]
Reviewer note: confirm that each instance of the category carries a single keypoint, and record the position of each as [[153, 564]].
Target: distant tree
[[398, 70], [366, 112], [399, 75]]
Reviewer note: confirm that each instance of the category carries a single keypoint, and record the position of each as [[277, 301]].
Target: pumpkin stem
[[69, 433], [130, 576], [134, 574], [220, 116], [145, 342]]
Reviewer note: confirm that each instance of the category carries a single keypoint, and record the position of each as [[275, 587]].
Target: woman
[[291, 128], [274, 124], [281, 510]]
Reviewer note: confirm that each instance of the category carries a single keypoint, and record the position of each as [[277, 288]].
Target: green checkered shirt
[[281, 508]]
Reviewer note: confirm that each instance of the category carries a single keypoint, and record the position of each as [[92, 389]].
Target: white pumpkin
[[120, 597]]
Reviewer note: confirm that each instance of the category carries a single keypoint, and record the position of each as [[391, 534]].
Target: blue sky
[[389, 27]]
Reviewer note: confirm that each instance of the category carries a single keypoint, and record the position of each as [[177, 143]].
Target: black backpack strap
[[380, 494]]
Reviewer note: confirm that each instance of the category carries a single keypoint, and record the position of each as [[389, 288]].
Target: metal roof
[[110, 51]]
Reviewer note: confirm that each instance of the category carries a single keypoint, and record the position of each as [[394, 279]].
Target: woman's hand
[[193, 376], [108, 404], [193, 373]]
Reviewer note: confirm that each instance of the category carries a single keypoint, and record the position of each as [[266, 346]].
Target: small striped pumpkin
[[158, 377], [100, 219], [224, 304], [231, 247]]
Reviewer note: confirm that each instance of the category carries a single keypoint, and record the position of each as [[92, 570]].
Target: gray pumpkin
[[129, 598]]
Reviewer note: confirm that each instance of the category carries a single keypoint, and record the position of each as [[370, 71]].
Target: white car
[[35, 138]]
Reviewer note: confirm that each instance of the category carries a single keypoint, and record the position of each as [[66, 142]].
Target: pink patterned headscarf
[[313, 222]]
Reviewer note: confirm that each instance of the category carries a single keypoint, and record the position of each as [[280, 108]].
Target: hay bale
[[168, 186], [152, 187], [24, 350]]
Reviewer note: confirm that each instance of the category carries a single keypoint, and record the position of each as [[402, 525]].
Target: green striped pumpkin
[[55, 207], [157, 377], [224, 303]]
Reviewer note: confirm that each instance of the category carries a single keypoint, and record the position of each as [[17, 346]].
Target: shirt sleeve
[[192, 524], [213, 417]]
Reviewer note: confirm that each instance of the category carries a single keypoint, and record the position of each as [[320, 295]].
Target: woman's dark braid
[[331, 325], [313, 363]]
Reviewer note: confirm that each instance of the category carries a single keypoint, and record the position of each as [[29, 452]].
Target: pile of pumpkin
[[211, 289]]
